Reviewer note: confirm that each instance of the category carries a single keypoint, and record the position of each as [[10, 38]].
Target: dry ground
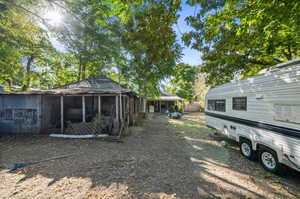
[[164, 159]]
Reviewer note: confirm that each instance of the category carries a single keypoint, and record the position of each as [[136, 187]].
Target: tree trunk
[[80, 68], [290, 54], [83, 71], [28, 73], [9, 83]]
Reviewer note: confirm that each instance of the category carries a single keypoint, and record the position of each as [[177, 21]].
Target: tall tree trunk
[[288, 52], [290, 57], [28, 73], [83, 71], [9, 83], [80, 68]]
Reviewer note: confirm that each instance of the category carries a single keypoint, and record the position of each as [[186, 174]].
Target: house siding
[[20, 114]]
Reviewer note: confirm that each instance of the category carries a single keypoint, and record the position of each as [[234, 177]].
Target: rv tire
[[269, 161], [246, 149]]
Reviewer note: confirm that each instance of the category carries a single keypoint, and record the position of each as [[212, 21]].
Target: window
[[220, 105], [211, 105], [216, 105], [239, 103]]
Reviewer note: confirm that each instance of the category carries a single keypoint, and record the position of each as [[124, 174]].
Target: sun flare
[[54, 18]]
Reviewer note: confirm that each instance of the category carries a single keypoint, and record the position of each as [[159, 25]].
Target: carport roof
[[164, 96]]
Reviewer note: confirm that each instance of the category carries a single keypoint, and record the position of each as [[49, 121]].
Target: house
[[165, 102], [70, 108]]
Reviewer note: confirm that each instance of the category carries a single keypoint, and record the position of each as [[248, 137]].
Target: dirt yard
[[164, 159]]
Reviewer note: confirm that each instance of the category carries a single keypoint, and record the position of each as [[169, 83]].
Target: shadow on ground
[[224, 173], [163, 159]]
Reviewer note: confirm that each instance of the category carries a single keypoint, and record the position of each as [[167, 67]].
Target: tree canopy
[[183, 81], [134, 42], [131, 41], [242, 37], [23, 46]]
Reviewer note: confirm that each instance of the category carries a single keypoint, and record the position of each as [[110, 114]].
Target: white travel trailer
[[262, 113]]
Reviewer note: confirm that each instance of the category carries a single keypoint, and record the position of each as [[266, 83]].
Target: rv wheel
[[269, 161], [246, 149]]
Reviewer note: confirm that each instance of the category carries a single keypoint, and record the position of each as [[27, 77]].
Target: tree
[[200, 88], [23, 44], [242, 37], [182, 82], [150, 43], [132, 41], [87, 36]]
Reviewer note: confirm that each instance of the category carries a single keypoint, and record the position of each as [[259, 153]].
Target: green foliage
[[24, 46], [183, 81], [131, 41], [151, 45], [243, 37], [200, 88]]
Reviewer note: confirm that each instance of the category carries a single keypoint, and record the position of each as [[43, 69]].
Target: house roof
[[164, 96], [169, 98], [92, 85], [99, 84]]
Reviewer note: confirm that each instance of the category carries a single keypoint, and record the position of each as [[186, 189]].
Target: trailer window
[[239, 103], [220, 105], [216, 105], [211, 105]]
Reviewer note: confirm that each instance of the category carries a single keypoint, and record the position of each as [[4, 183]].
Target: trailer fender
[[253, 144], [244, 133], [276, 149]]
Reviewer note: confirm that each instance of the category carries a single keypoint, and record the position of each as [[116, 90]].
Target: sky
[[190, 56]]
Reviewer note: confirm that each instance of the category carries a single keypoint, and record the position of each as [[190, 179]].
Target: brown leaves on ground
[[164, 159]]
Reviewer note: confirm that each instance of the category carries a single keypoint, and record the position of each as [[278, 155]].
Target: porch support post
[[117, 108], [127, 108], [83, 109], [121, 108], [99, 105], [128, 104], [159, 106], [62, 114]]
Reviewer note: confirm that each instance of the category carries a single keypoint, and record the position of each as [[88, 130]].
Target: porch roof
[[92, 85]]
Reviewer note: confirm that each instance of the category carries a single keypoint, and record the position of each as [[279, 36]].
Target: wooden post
[[139, 105], [62, 114], [128, 114], [128, 104], [117, 108], [127, 107], [159, 106], [99, 105], [121, 108], [83, 109]]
